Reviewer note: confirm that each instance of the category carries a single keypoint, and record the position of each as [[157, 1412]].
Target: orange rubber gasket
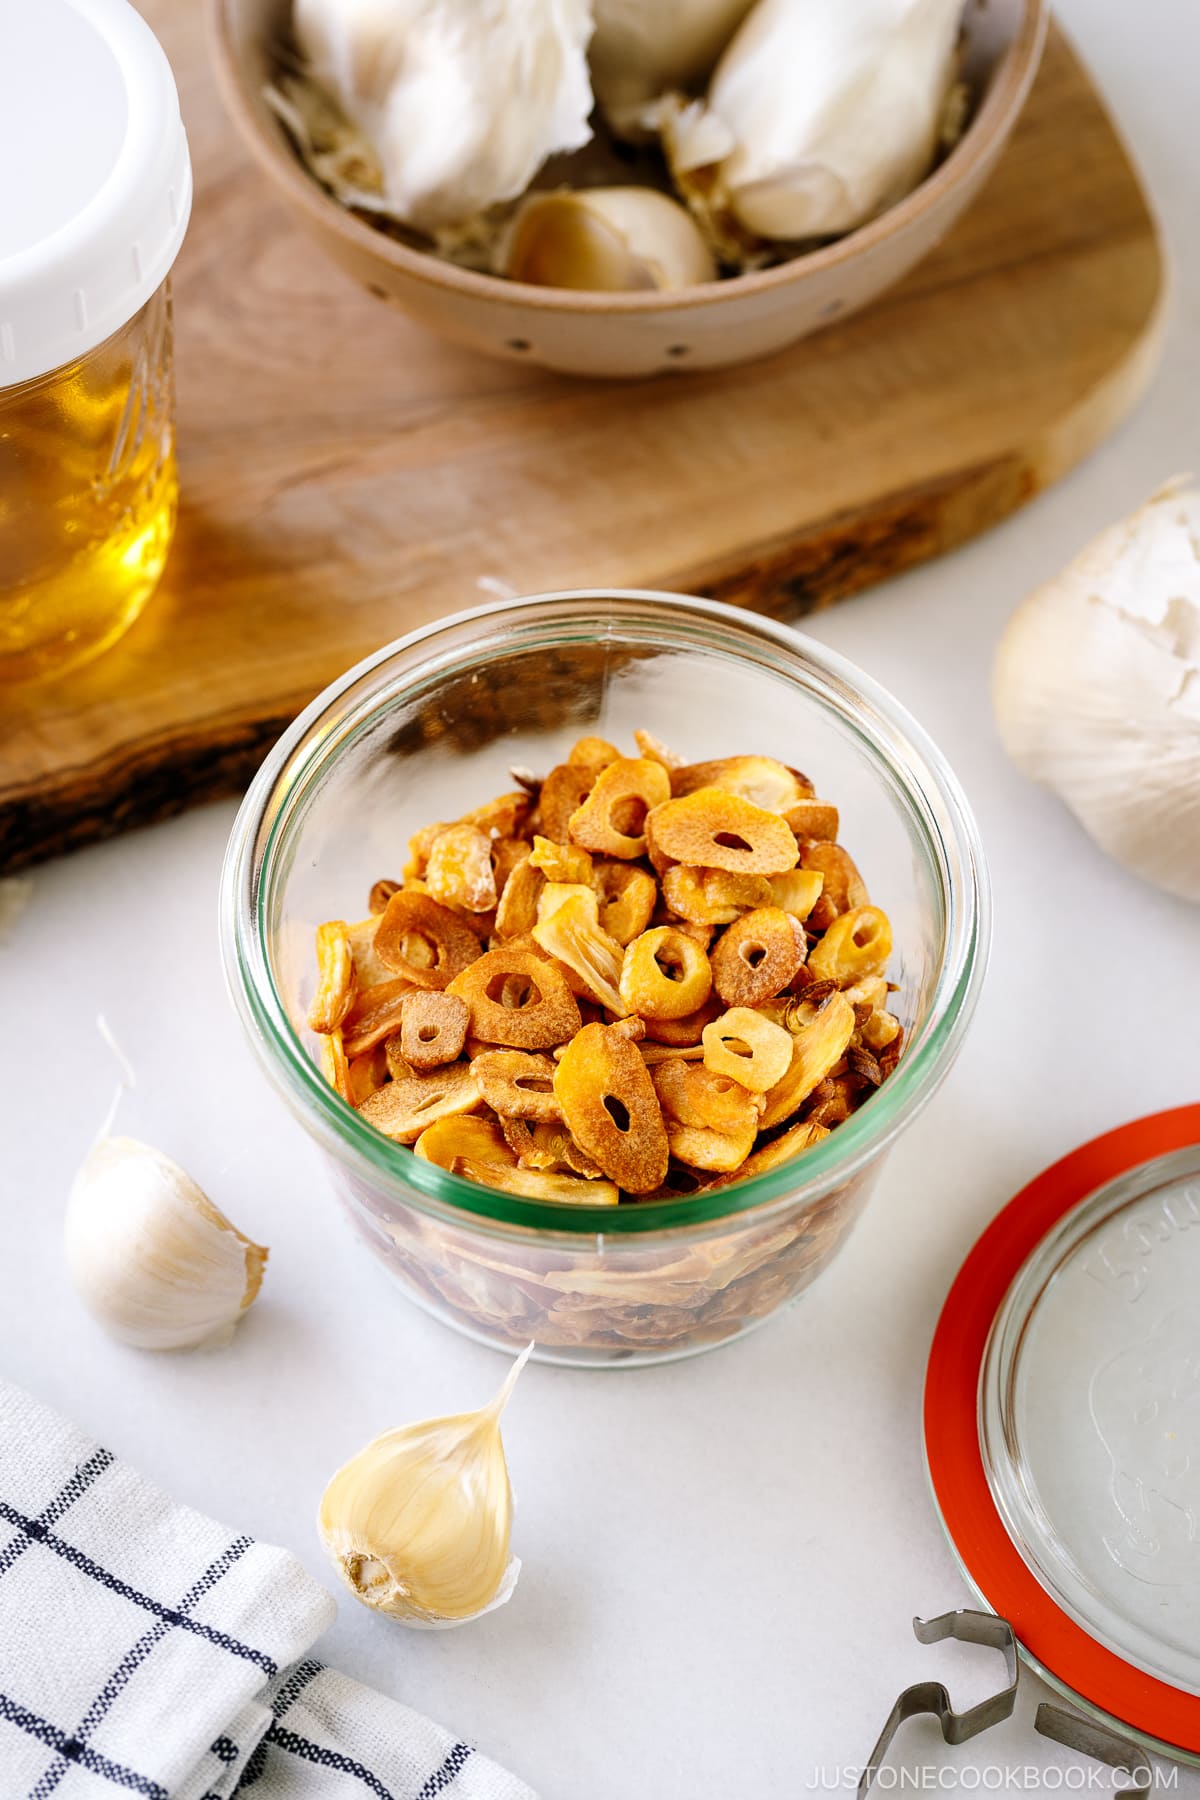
[[955, 1461]]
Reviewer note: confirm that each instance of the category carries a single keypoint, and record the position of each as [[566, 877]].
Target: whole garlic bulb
[[149, 1254], [462, 102], [1097, 688], [611, 239], [819, 116], [641, 48], [418, 1523]]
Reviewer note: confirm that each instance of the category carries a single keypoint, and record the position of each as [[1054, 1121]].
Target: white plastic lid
[[97, 183]]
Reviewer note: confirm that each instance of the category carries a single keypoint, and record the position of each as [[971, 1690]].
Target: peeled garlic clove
[[418, 1523], [1096, 689], [461, 104], [149, 1254], [611, 240], [818, 117], [639, 50]]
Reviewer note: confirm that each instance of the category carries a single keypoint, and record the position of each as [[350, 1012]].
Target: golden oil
[[87, 497]]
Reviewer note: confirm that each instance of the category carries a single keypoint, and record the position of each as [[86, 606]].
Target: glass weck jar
[[95, 200]]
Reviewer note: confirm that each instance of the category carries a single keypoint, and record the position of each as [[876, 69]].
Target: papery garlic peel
[[155, 1262], [418, 1523], [1096, 688], [461, 103], [819, 117]]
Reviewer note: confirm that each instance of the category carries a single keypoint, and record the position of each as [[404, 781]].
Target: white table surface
[[721, 1556]]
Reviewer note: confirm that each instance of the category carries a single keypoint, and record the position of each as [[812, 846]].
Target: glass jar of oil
[[87, 427]]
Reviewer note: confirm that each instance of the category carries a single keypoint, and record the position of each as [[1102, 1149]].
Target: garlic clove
[[817, 119], [154, 1261], [639, 51], [1096, 688], [461, 105], [610, 240], [418, 1523]]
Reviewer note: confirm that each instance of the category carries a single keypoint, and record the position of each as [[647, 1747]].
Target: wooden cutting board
[[346, 476]]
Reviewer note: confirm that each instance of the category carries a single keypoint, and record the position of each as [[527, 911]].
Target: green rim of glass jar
[[903, 756]]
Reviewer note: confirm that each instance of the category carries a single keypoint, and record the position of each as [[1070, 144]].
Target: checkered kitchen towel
[[145, 1649]]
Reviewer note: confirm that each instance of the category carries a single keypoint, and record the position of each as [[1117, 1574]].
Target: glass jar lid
[[1062, 1425], [96, 183]]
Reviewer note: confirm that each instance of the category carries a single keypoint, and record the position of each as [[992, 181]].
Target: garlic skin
[[641, 48], [150, 1256], [418, 1523], [819, 116], [1096, 689], [614, 240], [462, 101]]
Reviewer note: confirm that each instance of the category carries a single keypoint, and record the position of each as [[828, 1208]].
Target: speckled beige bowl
[[640, 334]]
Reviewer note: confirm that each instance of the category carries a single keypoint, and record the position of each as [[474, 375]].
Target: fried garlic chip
[[459, 871], [759, 779], [758, 956], [518, 1084], [433, 1028], [572, 934], [816, 1049], [534, 1012], [664, 975], [748, 1048], [375, 1015], [842, 885], [335, 977], [627, 897], [785, 1148], [609, 1104], [564, 790], [404, 1108], [424, 941], [813, 819], [611, 820], [857, 944], [714, 829], [476, 1149]]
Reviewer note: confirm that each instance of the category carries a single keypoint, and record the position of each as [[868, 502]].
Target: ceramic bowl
[[708, 326]]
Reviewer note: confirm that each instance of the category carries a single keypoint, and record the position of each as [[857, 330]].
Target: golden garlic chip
[[433, 1028], [609, 1103], [538, 1009], [335, 977], [664, 975], [758, 956], [718, 830], [403, 1108], [611, 821], [744, 1045], [517, 1084], [424, 941]]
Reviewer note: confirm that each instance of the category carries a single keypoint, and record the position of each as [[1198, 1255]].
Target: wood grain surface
[[346, 476]]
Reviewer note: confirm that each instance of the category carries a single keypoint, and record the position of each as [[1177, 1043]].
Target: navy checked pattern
[[80, 1481], [72, 1748], [133, 1660], [42, 1534], [321, 1757], [75, 1752], [441, 1778], [291, 1689], [328, 1759]]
